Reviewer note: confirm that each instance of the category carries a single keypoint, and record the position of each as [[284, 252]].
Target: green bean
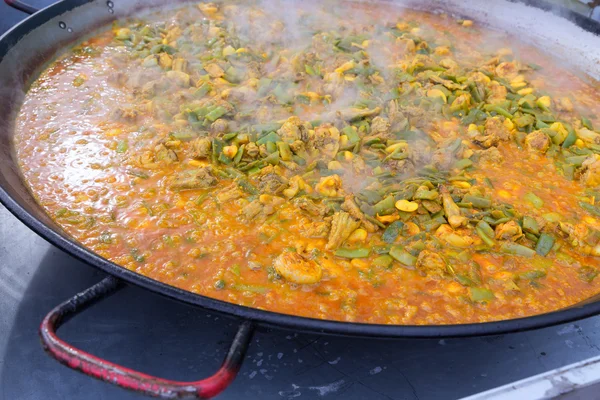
[[247, 186], [530, 225], [570, 139], [382, 261], [544, 244], [402, 256], [392, 232], [353, 253], [498, 110], [478, 202], [516, 249], [587, 123], [534, 200], [481, 294], [575, 160], [590, 208], [385, 206]]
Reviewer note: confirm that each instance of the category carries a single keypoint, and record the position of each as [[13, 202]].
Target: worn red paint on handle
[[127, 378]]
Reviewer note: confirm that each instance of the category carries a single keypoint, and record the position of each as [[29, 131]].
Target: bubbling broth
[[354, 162]]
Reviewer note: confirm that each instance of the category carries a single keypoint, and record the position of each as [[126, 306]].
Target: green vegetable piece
[[530, 225], [544, 244], [587, 273], [590, 208], [220, 284], [533, 274], [353, 253], [516, 249], [382, 261], [478, 202], [285, 153], [587, 123], [216, 113], [570, 139], [481, 294], [385, 206], [402, 256], [352, 134], [122, 146], [462, 164], [534, 200], [250, 288], [270, 137], [392, 232]]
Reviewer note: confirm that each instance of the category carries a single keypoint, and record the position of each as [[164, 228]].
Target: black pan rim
[[262, 317]]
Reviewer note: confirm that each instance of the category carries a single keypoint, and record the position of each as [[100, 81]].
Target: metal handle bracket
[[126, 378]]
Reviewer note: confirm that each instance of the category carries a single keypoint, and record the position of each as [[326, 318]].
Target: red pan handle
[[19, 5], [126, 378]]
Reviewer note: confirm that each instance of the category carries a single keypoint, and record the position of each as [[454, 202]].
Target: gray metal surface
[[158, 336]]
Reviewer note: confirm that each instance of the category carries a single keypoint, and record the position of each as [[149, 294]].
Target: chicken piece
[[200, 178], [124, 113], [342, 226], [180, 78], [231, 192], [507, 70], [214, 70], [201, 148], [537, 141], [590, 171], [380, 127], [498, 93], [297, 269], [329, 186], [508, 231], [219, 126], [581, 236], [297, 183], [272, 183], [485, 140], [453, 215], [495, 126], [430, 263], [317, 229], [251, 210], [323, 143], [490, 156], [310, 206], [164, 154], [294, 129], [351, 208]]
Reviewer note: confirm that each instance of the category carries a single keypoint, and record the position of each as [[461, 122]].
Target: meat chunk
[[272, 183], [324, 143], [351, 208], [507, 70], [342, 226], [310, 206], [297, 269], [490, 156], [201, 148], [318, 229], [294, 129], [430, 263], [537, 141], [200, 178], [231, 192], [380, 127], [508, 231], [329, 186], [495, 126], [590, 171]]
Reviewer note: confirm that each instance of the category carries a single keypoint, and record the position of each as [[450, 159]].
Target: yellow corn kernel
[[396, 146], [230, 151], [467, 23], [348, 155], [411, 229], [241, 50], [365, 43], [345, 67], [461, 184], [509, 124], [518, 85], [349, 78], [334, 165], [343, 141], [359, 235], [590, 220], [472, 127], [388, 218], [415, 31], [504, 194], [526, 91], [195, 163], [544, 101], [407, 206], [454, 287], [433, 93], [227, 51], [114, 132], [402, 26], [580, 143]]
